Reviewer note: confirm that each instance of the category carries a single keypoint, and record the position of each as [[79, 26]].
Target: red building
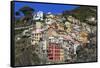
[[53, 52]]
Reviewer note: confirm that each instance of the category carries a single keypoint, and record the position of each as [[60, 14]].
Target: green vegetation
[[82, 12], [27, 18], [26, 10], [19, 31]]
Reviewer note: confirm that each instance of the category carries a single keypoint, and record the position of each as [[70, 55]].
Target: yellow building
[[61, 54], [67, 24], [68, 30], [38, 25], [36, 35]]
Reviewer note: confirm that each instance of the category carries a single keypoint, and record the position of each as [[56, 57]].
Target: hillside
[[82, 12]]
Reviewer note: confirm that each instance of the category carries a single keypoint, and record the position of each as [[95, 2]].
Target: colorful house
[[36, 36], [55, 53]]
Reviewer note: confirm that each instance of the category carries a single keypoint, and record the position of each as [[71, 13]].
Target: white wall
[[5, 34]]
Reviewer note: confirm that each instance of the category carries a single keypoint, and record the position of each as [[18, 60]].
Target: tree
[[28, 12], [17, 13]]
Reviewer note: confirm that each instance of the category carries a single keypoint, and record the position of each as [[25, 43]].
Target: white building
[[56, 40], [38, 16], [51, 39], [49, 18], [72, 19], [91, 19], [48, 21], [44, 44]]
